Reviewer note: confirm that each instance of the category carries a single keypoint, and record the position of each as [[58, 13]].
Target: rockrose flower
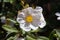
[[30, 18]]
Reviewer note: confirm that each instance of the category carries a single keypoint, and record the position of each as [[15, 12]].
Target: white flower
[[30, 18], [3, 19], [57, 14]]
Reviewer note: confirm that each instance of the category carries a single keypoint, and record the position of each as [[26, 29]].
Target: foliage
[[9, 9]]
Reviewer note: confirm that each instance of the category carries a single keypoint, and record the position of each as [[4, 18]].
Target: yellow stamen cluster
[[29, 18]]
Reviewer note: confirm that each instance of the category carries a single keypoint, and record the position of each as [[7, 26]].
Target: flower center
[[29, 18]]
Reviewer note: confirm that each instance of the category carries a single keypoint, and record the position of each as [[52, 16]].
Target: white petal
[[57, 14], [39, 15], [3, 19], [39, 9], [33, 27], [20, 39], [42, 24], [21, 15], [58, 18], [35, 21], [27, 9], [20, 20], [27, 28], [42, 21]]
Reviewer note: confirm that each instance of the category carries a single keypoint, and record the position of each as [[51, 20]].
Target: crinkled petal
[[39, 9], [42, 23], [21, 15], [27, 9], [37, 12], [35, 21], [20, 20], [58, 18], [38, 18], [33, 27], [57, 14], [25, 28], [27, 24]]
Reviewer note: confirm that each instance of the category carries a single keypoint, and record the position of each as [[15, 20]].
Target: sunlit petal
[[57, 14], [21, 15], [42, 24], [35, 21], [20, 20], [41, 21], [3, 19], [27, 9], [58, 18], [25, 28], [33, 27], [39, 9]]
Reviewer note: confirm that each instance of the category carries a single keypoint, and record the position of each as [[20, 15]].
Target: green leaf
[[43, 38], [29, 38], [1, 14], [11, 20], [6, 0], [11, 1], [36, 30], [23, 32], [58, 32], [13, 37], [9, 28], [52, 34]]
